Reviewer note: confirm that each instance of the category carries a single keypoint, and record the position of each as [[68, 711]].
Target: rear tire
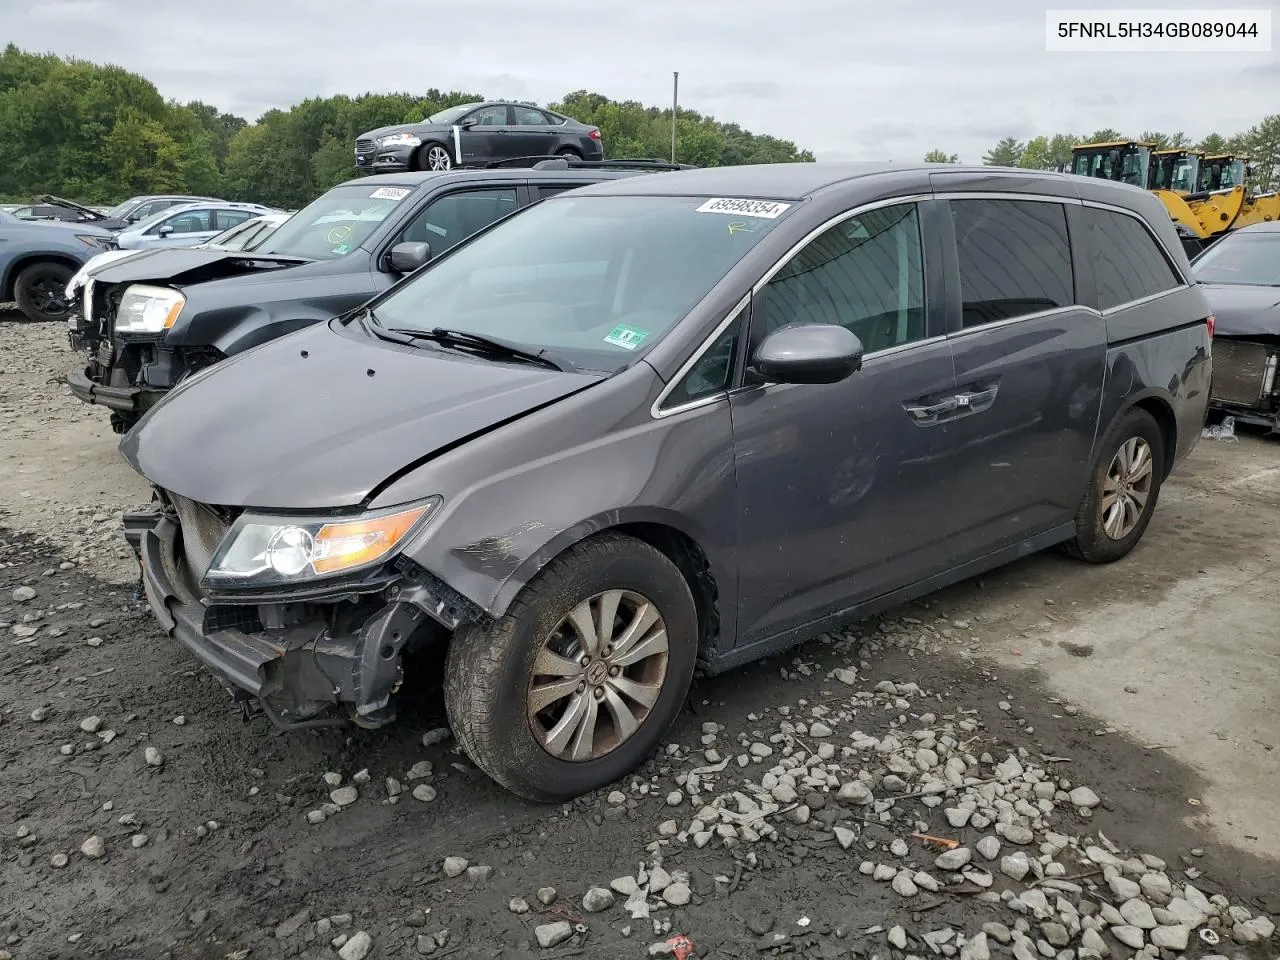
[[569, 153], [513, 689], [1123, 490], [39, 291]]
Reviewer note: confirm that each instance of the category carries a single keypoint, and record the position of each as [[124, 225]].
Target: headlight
[[146, 309], [399, 139], [270, 551], [102, 243]]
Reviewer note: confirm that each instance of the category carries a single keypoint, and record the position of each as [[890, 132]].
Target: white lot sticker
[[765, 209], [389, 193]]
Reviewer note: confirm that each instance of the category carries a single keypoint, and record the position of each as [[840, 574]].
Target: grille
[[364, 146], [1239, 369], [202, 532]]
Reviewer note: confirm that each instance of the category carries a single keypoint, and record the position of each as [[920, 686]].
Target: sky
[[847, 79]]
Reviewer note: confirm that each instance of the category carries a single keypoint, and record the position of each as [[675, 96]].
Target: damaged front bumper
[[132, 400], [1246, 380], [299, 656]]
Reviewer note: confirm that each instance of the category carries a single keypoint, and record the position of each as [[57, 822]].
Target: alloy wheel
[[438, 159], [597, 675], [46, 297], [1126, 488]]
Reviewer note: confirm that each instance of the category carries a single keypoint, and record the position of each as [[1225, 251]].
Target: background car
[[188, 224], [37, 258], [53, 211], [137, 209], [475, 134], [1240, 274]]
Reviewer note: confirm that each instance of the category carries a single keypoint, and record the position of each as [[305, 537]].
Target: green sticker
[[626, 337], [342, 248]]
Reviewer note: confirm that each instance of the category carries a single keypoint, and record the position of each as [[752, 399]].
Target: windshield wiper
[[480, 343]]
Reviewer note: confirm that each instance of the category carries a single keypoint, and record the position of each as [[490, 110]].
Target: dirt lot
[[1074, 717]]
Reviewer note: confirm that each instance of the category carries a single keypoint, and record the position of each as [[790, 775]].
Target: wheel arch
[[418, 157], [21, 263], [1162, 412]]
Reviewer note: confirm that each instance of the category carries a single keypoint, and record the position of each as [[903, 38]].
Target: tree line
[[1261, 143], [99, 133]]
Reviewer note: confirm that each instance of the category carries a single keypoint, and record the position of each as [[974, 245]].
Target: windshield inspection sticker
[[737, 207], [389, 193], [626, 337]]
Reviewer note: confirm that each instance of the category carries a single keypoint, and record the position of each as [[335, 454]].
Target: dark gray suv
[[666, 421]]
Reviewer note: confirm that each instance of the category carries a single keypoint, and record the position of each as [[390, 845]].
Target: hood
[[418, 129], [183, 265], [320, 418], [66, 226], [1244, 311]]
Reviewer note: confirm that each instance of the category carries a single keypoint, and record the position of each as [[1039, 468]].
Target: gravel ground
[[897, 789]]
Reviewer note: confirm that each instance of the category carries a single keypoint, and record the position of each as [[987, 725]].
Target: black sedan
[[1240, 275], [476, 134]]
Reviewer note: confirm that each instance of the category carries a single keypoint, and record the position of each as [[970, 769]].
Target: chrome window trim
[[1141, 300], [1038, 315]]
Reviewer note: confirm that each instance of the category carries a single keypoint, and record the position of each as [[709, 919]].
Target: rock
[[288, 927], [1137, 913], [855, 792], [883, 873], [976, 948], [819, 729], [316, 816], [139, 840], [546, 896], [1124, 888], [903, 885], [1262, 926], [91, 724], [454, 866], [668, 828], [1016, 866], [357, 948], [926, 881], [1083, 797], [989, 847], [624, 886], [518, 905], [997, 931], [426, 944], [94, 848], [898, 937], [1090, 939], [39, 714], [844, 675], [24, 594], [1156, 886], [416, 918], [478, 874], [953, 859], [1056, 934], [675, 798], [659, 880], [1024, 949], [332, 779], [1129, 936], [1171, 938], [1017, 834], [423, 792], [958, 817], [760, 750], [678, 894], [553, 934], [663, 948], [438, 735], [1185, 912], [153, 757], [616, 798], [845, 837], [58, 861], [345, 797], [783, 793], [597, 899], [419, 771]]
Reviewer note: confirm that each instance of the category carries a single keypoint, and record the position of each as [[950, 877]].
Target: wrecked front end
[[303, 650], [1246, 384]]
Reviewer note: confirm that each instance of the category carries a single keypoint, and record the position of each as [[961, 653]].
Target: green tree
[[1212, 144], [1106, 135], [941, 156], [1036, 155], [1060, 147], [1006, 153], [1262, 143], [1159, 140]]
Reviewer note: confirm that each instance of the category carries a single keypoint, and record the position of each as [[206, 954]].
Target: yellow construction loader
[[1183, 180]]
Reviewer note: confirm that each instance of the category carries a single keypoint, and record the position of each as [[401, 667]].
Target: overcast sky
[[849, 79]]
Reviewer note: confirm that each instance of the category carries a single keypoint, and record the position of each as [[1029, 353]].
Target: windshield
[[451, 115], [1176, 173], [120, 209], [589, 278], [334, 224], [1241, 259], [1232, 174]]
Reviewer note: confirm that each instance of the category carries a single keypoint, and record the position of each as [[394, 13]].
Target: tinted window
[[1127, 261], [193, 221], [712, 372], [489, 116], [865, 274], [529, 117], [1015, 258], [452, 218], [231, 218]]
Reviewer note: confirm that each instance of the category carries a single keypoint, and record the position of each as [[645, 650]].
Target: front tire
[[434, 157], [39, 291], [1123, 490], [574, 687]]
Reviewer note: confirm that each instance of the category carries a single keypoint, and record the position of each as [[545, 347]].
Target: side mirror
[[408, 257], [468, 123], [808, 353], [165, 229]]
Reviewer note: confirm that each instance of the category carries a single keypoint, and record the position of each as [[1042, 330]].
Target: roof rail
[[639, 163]]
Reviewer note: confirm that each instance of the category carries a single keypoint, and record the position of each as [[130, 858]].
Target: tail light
[[1211, 321], [594, 134]]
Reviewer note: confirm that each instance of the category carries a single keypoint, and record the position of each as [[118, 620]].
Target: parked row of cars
[[586, 427], [39, 255]]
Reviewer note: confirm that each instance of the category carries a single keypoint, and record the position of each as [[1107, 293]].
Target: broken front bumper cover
[[122, 399], [292, 663]]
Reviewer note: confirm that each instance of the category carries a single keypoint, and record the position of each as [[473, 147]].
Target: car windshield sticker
[[342, 248], [739, 227], [738, 207], [338, 234], [626, 337], [389, 193]]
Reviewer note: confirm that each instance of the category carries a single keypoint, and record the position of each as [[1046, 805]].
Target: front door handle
[[933, 412], [975, 401]]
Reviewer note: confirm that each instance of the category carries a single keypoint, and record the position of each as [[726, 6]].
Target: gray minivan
[[662, 422]]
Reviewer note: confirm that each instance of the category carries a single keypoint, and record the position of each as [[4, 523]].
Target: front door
[[841, 487], [485, 134], [1030, 363]]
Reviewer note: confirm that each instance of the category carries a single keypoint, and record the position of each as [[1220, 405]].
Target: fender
[[25, 260]]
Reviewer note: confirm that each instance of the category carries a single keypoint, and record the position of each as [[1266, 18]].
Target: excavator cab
[[1176, 170], [1222, 172], [1124, 161]]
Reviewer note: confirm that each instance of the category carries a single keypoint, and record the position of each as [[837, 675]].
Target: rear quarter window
[[1127, 260]]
